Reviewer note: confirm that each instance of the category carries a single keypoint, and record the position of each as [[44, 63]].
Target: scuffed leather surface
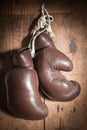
[[23, 99], [49, 62]]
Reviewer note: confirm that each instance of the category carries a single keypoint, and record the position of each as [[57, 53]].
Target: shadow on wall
[[5, 65]]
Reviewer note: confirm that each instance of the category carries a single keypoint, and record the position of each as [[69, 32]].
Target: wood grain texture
[[70, 28]]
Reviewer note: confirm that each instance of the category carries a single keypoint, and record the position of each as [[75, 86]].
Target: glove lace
[[43, 24]]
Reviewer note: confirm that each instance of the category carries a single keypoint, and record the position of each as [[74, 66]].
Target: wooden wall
[[70, 28]]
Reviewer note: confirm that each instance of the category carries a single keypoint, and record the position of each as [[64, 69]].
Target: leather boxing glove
[[48, 63], [23, 99]]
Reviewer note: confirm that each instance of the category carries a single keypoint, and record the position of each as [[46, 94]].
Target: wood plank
[[70, 38], [26, 7], [13, 31], [70, 28], [70, 115], [7, 122]]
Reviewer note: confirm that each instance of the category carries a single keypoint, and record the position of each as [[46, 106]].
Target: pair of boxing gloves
[[23, 98]]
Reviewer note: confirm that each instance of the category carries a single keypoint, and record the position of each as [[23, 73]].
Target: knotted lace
[[43, 24]]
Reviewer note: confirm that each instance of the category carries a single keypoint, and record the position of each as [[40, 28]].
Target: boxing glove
[[48, 63], [23, 99]]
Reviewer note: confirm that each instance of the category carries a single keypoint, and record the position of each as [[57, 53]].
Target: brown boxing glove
[[23, 99], [48, 63]]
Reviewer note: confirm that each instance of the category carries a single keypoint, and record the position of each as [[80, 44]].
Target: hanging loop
[[43, 24]]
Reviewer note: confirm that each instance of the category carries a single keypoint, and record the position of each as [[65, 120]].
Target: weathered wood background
[[70, 27]]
